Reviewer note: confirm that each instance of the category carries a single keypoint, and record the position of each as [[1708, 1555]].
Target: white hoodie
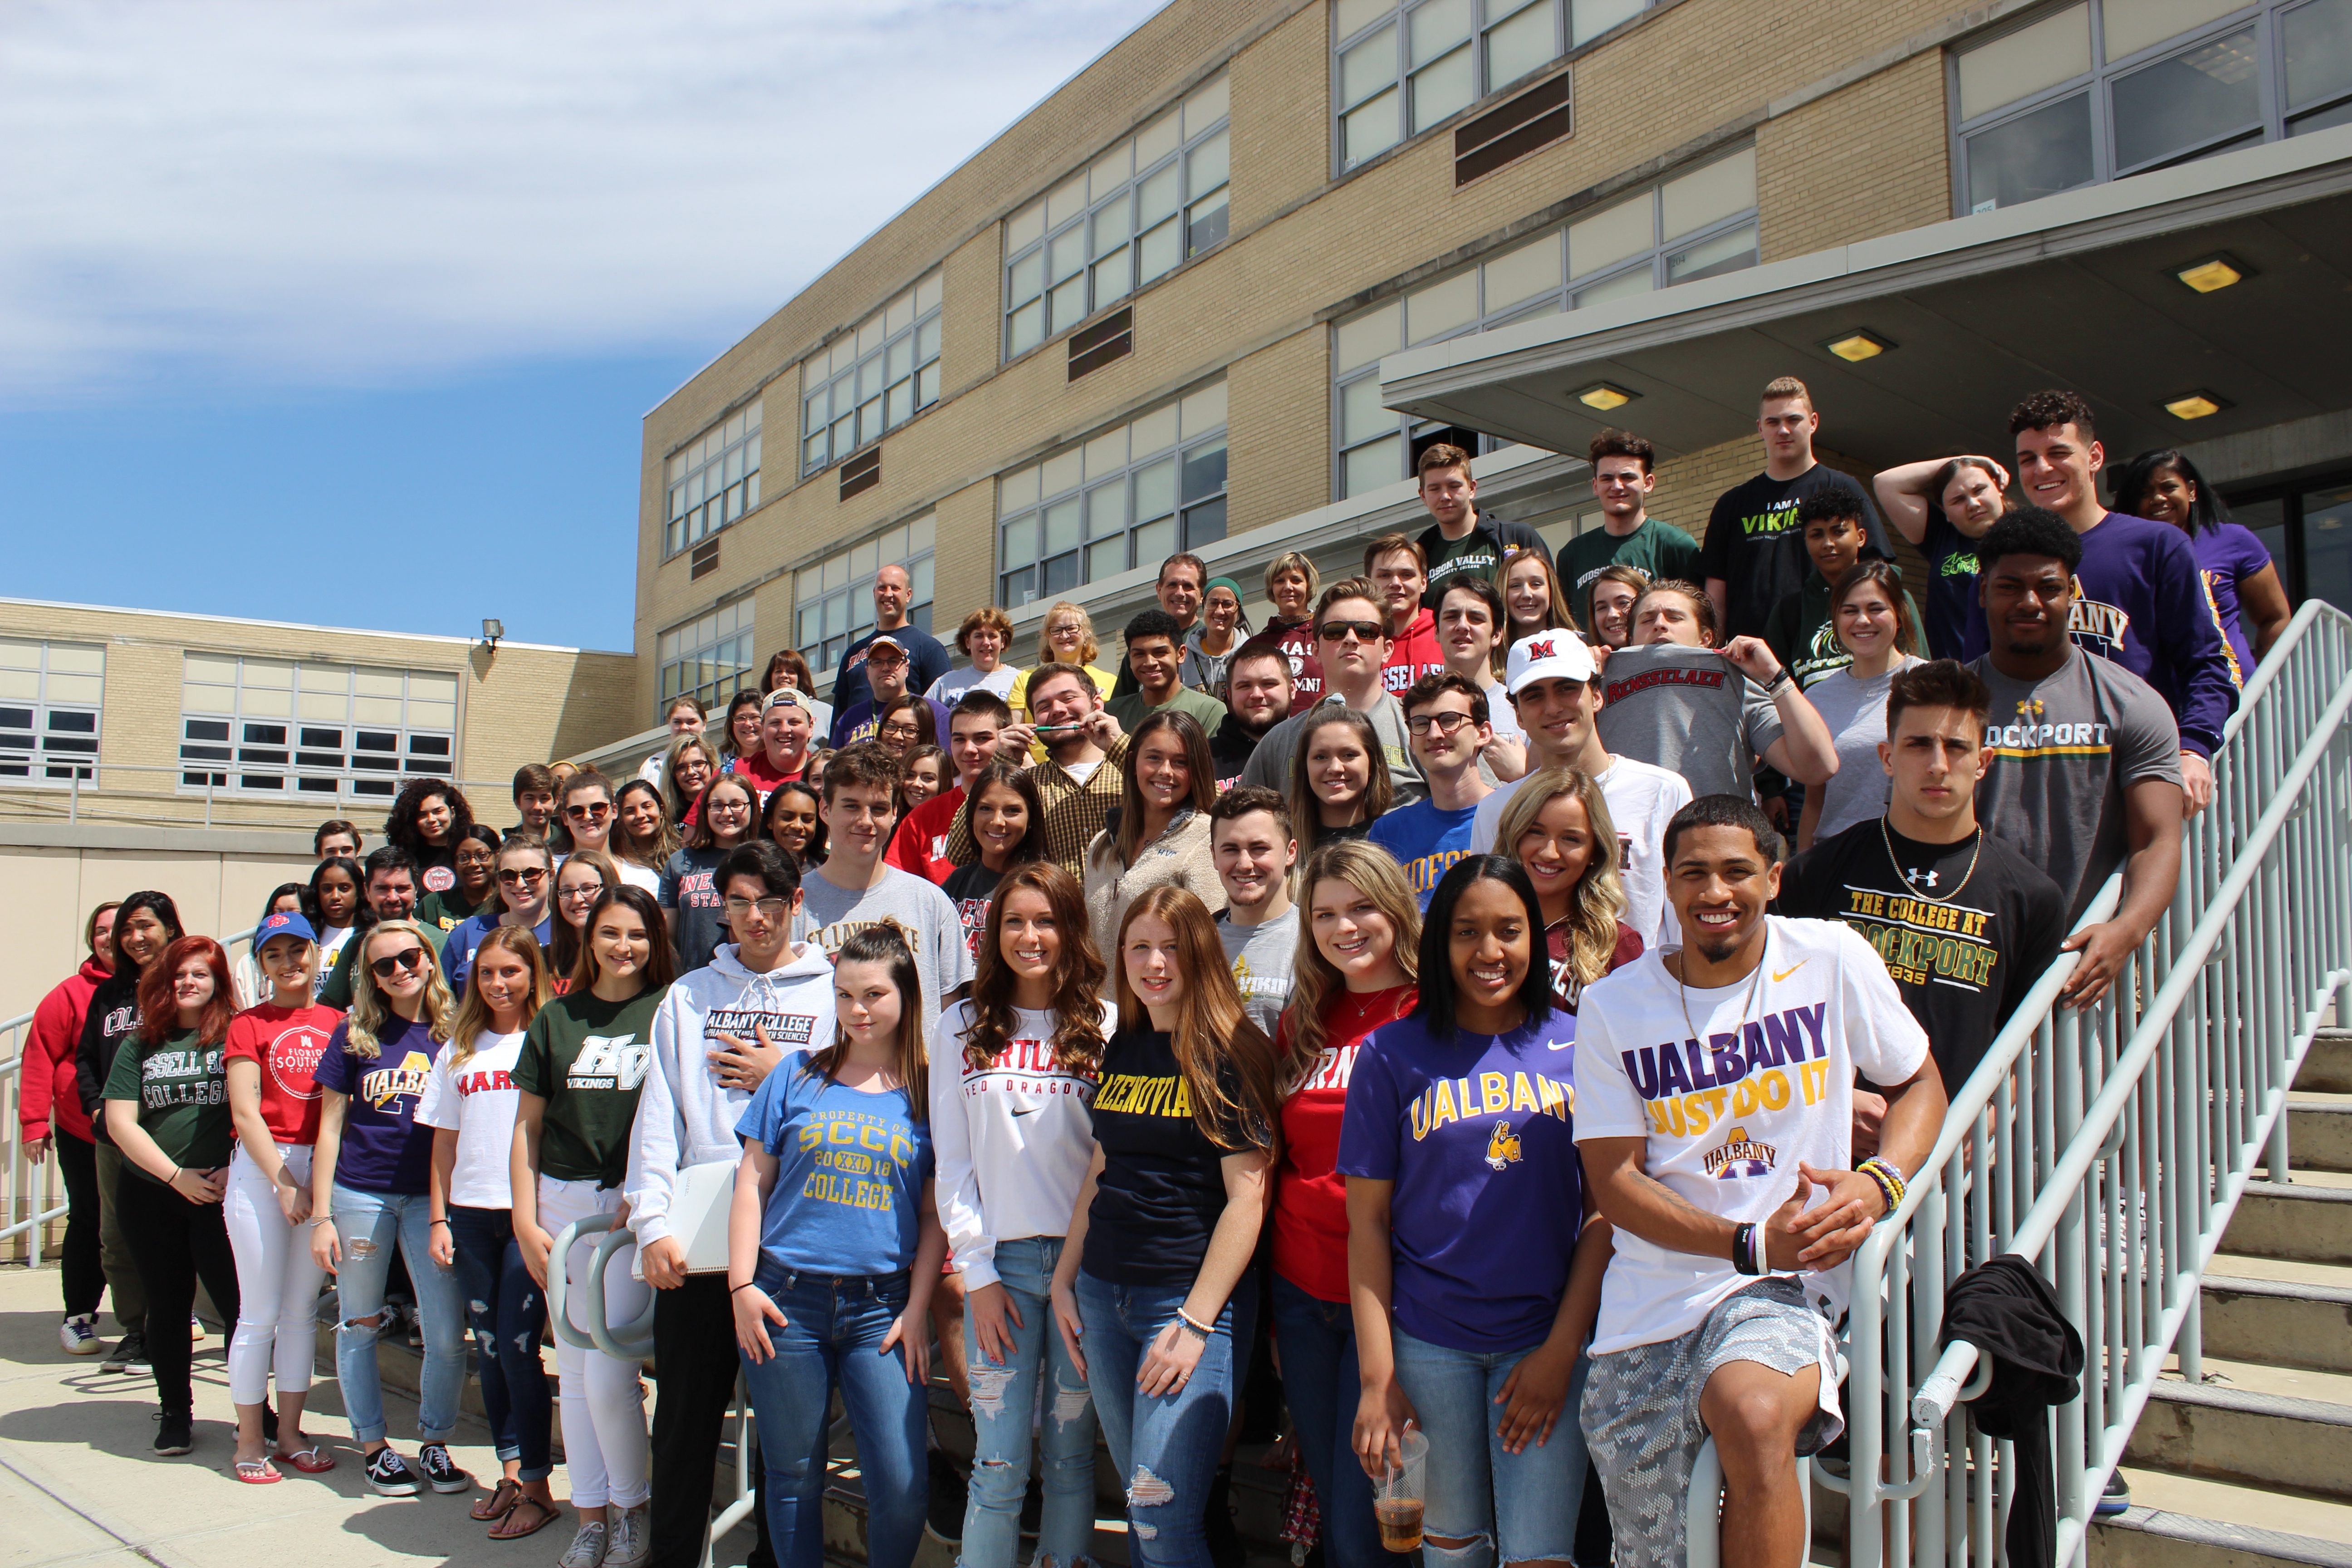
[[1013, 1139], [683, 1116]]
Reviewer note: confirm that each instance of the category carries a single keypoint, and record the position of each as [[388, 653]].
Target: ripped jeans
[[507, 1314], [1003, 1400], [368, 1225], [1509, 1507], [1165, 1447]]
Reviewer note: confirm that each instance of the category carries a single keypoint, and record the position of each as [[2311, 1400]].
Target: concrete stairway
[[2254, 1464]]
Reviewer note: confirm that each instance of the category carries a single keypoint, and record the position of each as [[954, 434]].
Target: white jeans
[[602, 1399], [277, 1282]]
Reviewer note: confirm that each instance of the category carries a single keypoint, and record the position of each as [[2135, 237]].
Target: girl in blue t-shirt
[[1471, 1293], [833, 1247]]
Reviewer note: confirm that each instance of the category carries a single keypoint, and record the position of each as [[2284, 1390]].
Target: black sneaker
[[440, 1471], [268, 1424], [2115, 1500], [388, 1473], [950, 1490], [130, 1350], [172, 1434]]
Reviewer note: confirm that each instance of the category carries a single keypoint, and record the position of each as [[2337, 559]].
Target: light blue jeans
[[1510, 1508], [369, 1224], [1003, 1399]]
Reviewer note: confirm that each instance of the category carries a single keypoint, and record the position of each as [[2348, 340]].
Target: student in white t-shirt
[[470, 1102], [1714, 1114], [982, 638]]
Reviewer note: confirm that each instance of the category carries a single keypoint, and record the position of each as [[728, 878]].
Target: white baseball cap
[[1556, 655]]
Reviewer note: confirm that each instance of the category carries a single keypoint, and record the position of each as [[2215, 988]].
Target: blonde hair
[[1088, 649], [1599, 897], [369, 1012], [1314, 985], [473, 1019], [1292, 560]]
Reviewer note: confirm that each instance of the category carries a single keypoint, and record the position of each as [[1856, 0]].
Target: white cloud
[[262, 191]]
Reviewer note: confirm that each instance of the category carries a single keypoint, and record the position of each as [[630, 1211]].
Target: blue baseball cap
[[285, 922]]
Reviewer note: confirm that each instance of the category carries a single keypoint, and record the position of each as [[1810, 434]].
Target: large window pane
[[1204, 471], [1591, 18], [1707, 195], [1524, 42], [2194, 97], [1727, 252], [1625, 286], [1368, 467], [1160, 251], [1205, 224], [1361, 414], [1443, 88], [1608, 237], [2131, 26], [1370, 130], [1204, 524], [1368, 67], [1158, 196], [2318, 39], [1435, 27], [2017, 65], [1208, 165], [2033, 156]]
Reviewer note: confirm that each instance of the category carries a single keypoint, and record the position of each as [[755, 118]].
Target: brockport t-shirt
[[1162, 1186], [1759, 1076], [385, 1148], [1478, 1132], [852, 1167]]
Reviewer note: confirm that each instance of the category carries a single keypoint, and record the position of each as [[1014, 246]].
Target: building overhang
[[2079, 289]]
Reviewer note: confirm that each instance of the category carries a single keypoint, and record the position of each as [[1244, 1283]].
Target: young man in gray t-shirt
[[1250, 838]]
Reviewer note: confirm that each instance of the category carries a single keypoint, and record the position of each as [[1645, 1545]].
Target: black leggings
[[175, 1243], [83, 1271], [697, 1361]]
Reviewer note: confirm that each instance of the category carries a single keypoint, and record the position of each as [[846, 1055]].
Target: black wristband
[[745, 1286], [1746, 1255]]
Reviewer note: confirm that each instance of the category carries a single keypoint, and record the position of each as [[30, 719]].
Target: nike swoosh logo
[[1562, 1046], [1031, 1111], [1780, 975]]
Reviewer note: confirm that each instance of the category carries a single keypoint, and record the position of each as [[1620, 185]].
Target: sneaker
[[630, 1538], [196, 1329], [2115, 1500], [440, 1471], [586, 1551], [951, 1492], [130, 1350], [172, 1434], [77, 1335], [388, 1473]]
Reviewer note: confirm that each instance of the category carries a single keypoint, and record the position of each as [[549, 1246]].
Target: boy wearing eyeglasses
[[1447, 718], [1351, 636]]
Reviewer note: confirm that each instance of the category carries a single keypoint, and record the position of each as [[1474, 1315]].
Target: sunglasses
[[530, 878], [392, 963], [596, 813], [1336, 631]]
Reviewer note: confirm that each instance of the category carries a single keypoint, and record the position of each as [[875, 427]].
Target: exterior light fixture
[[2215, 273], [1857, 346], [2195, 404], [1603, 398], [492, 630]]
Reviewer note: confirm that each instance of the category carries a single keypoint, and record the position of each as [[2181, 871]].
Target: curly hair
[[400, 823]]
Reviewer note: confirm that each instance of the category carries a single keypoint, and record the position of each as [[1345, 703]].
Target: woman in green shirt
[[167, 1110]]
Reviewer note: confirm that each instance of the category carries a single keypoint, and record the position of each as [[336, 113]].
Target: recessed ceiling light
[[1603, 398], [2195, 404], [1856, 347], [2213, 273]]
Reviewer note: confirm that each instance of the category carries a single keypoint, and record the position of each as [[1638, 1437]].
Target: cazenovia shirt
[[384, 1149], [183, 1097], [851, 1170], [587, 1059], [1162, 1186], [286, 1043]]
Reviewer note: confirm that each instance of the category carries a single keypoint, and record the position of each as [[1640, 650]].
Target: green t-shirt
[[442, 913], [587, 1059], [183, 1094], [1131, 710], [1657, 548]]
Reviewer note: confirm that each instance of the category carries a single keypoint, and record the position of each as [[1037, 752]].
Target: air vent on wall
[[1536, 117], [1111, 338], [705, 560], [861, 473]]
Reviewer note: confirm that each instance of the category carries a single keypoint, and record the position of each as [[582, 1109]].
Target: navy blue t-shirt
[[1951, 586], [385, 1148]]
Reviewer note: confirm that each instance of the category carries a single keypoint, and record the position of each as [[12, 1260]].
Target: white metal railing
[[2110, 1146], [76, 800]]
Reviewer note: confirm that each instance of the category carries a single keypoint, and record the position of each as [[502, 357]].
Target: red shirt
[[1310, 1196], [1298, 640], [1414, 654], [288, 1046], [49, 1087], [764, 777], [1566, 989], [921, 845]]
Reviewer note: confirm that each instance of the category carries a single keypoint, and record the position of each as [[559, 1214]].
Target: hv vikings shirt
[[1732, 1086], [587, 1059]]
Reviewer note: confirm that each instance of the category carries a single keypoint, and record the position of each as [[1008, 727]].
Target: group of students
[[1415, 990]]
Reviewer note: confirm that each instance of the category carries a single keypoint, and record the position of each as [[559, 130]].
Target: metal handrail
[[601, 1335], [2110, 1146], [25, 795]]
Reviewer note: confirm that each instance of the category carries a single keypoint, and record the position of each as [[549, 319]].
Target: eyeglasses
[[385, 968], [597, 812], [581, 892], [730, 806], [906, 731], [482, 858], [770, 909], [1445, 723], [530, 878], [1336, 631]]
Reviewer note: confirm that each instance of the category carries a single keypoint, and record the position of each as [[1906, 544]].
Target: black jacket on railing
[[2005, 1309]]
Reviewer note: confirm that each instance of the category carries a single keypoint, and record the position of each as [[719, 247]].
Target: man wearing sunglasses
[[526, 882], [1351, 636], [889, 672], [1449, 721], [390, 891]]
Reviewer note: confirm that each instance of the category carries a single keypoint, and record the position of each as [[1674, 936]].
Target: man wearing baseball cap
[[786, 726], [889, 667], [1550, 679]]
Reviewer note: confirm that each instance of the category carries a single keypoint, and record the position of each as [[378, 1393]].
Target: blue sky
[[350, 312]]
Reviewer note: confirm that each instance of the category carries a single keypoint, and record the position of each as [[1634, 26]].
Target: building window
[[2098, 91], [1399, 69], [832, 600], [1161, 196], [710, 658], [872, 380], [1130, 496], [290, 727], [1694, 226], [50, 694], [714, 480]]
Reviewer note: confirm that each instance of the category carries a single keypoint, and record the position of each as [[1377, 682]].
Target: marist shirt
[[1732, 1086]]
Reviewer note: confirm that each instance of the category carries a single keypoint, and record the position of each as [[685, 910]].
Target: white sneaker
[[196, 1329], [631, 1536], [79, 1335], [586, 1551]]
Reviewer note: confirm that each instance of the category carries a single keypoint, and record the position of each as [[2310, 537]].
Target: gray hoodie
[[683, 1116]]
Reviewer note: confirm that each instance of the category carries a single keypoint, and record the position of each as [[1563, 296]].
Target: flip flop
[[257, 1472], [502, 1530], [499, 1504], [313, 1460]]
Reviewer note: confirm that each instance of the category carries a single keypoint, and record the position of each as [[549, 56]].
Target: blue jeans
[[368, 1224], [834, 1329], [507, 1313], [1165, 1446], [1510, 1508], [1003, 1397], [1318, 1342]]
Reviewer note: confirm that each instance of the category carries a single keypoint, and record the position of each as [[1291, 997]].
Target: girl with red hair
[[167, 1110]]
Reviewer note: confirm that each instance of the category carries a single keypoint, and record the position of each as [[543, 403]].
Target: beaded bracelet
[[1186, 1319]]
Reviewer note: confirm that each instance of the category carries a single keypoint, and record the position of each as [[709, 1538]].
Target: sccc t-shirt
[[852, 1167]]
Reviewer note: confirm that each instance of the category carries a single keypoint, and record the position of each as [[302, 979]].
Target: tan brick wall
[[1865, 161], [1284, 466]]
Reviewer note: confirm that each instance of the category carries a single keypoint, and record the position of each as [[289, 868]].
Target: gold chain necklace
[[1887, 838], [1682, 992]]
